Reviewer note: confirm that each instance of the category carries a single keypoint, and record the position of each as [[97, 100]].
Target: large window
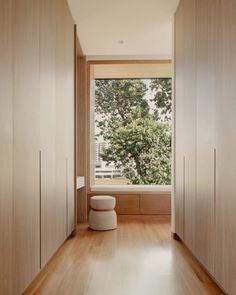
[[132, 131]]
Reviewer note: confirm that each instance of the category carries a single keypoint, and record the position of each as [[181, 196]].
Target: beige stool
[[102, 215]]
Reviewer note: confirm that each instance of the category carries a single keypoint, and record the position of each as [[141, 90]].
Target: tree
[[138, 144], [117, 98], [162, 88]]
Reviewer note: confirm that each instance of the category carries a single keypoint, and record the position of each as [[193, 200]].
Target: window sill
[[131, 188]]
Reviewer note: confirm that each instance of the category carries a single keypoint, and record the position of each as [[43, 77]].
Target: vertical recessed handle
[[40, 209], [184, 183], [67, 197], [215, 181], [214, 208]]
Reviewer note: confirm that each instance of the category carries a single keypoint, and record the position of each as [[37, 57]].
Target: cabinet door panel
[[26, 142], [6, 199], [56, 124], [70, 121], [60, 151], [189, 123], [185, 107], [226, 146], [206, 97], [179, 130], [49, 243]]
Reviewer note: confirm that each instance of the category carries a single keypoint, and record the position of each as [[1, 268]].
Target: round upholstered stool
[[102, 215]]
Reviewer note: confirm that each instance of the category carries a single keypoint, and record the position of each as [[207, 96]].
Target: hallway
[[130, 104], [140, 257]]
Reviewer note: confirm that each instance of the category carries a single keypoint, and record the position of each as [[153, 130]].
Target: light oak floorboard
[[140, 257]]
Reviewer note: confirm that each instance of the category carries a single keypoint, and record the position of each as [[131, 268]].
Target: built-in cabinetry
[[206, 98], [205, 105], [81, 130], [225, 265], [139, 203], [26, 142], [6, 147], [69, 94], [36, 137]]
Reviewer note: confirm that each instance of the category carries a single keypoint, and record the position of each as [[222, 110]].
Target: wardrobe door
[[179, 127], [6, 199], [206, 96], [60, 150], [226, 146], [185, 120], [49, 198], [70, 121], [189, 122], [26, 142]]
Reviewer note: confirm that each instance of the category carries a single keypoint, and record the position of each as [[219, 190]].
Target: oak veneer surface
[[56, 125], [155, 204], [61, 121], [189, 122], [125, 71], [36, 95], [82, 152], [127, 204], [185, 113], [226, 146], [140, 257], [70, 118], [214, 37], [26, 114], [140, 203], [206, 91], [47, 128], [6, 198], [179, 176]]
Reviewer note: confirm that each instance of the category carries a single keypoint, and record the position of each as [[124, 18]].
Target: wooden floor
[[139, 258]]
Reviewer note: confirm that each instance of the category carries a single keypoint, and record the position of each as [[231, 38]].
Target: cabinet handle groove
[[40, 209], [214, 213], [67, 197], [184, 164]]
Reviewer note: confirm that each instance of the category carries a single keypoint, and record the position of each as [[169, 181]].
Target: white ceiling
[[144, 26]]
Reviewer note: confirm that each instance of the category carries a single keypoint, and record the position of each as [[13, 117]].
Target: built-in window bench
[[139, 199]]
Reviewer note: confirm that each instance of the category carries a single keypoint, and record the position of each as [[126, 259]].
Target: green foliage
[[138, 144], [162, 88], [117, 98]]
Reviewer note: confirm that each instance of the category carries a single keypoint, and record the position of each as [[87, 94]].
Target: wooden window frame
[[90, 190]]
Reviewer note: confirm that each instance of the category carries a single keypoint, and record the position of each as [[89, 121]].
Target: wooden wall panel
[[225, 148], [37, 136], [61, 161], [81, 133], [6, 197], [57, 125], [214, 78], [189, 122], [155, 204], [185, 125], [179, 177], [70, 119], [135, 203], [49, 217], [126, 71], [26, 142], [127, 204], [206, 37]]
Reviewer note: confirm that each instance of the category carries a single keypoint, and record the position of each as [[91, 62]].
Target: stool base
[[102, 220]]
